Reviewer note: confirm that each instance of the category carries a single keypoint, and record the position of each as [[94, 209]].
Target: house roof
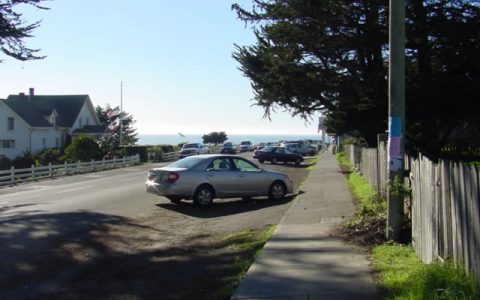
[[34, 109]]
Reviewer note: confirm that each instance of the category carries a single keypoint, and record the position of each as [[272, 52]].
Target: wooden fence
[[446, 212], [445, 204], [13, 176]]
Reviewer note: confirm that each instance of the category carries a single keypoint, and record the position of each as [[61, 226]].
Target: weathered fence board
[[445, 211]]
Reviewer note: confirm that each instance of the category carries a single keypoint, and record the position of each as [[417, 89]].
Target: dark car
[[228, 148], [278, 154]]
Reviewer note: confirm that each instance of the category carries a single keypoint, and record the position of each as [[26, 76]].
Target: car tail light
[[170, 177]]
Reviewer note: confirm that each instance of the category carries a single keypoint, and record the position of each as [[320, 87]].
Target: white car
[[189, 149], [203, 178], [245, 146]]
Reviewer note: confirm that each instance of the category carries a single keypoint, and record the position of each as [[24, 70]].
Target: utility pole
[[396, 116]]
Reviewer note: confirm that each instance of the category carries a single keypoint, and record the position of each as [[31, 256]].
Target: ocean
[[175, 139]]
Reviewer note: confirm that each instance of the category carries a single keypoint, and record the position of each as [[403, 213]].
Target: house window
[[80, 123], [10, 123], [57, 143], [44, 143], [7, 144], [54, 120], [88, 121]]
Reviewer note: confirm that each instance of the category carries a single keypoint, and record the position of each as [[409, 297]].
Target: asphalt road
[[118, 192], [66, 234]]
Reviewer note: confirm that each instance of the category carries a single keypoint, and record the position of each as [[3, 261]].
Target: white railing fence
[[13, 176]]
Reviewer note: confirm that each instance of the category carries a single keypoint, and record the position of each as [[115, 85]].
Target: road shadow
[[86, 255], [37, 248], [223, 207], [267, 166]]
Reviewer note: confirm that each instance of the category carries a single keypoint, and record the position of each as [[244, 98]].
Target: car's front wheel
[[203, 196], [277, 191], [298, 161], [274, 160]]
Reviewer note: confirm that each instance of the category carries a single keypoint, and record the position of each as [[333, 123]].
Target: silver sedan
[[205, 177]]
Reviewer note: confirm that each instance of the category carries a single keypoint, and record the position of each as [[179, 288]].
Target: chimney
[[31, 93], [21, 96]]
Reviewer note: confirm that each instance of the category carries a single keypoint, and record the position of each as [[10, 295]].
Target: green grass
[[249, 243], [311, 162], [372, 207], [406, 277]]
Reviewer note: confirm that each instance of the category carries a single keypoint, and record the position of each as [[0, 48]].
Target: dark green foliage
[[215, 138], [156, 151], [52, 155], [83, 148], [24, 161], [110, 143], [332, 57], [13, 30], [5, 163]]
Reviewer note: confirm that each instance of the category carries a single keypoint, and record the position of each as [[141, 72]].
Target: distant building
[[37, 122]]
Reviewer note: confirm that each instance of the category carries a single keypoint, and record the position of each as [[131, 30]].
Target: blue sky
[[173, 57]]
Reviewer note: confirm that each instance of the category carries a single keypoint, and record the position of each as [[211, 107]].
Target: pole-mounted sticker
[[395, 159]]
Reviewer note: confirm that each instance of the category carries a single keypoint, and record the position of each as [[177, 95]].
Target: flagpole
[[121, 112]]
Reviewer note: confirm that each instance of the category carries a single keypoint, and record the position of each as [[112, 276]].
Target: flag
[[114, 124], [111, 113]]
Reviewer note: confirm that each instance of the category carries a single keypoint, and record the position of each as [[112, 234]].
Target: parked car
[[205, 177], [245, 146], [278, 154], [228, 148], [193, 149], [302, 149]]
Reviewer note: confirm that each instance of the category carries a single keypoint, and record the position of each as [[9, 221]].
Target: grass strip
[[407, 277], [248, 244]]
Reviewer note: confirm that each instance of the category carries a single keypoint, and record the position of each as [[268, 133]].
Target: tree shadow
[[37, 248], [224, 207]]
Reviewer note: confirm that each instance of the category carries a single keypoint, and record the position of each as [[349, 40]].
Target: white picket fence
[[13, 176]]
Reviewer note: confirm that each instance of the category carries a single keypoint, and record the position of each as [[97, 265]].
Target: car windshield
[[186, 162], [267, 149], [189, 146]]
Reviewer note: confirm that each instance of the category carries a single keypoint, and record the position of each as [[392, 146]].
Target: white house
[[34, 123]]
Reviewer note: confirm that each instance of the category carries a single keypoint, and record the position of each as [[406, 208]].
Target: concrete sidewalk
[[303, 260]]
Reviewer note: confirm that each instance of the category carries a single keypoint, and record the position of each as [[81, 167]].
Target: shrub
[[52, 155], [83, 148], [24, 161], [157, 152], [5, 163]]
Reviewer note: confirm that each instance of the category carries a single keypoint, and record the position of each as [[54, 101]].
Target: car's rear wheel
[[277, 191], [203, 196], [174, 199], [274, 160], [247, 198], [261, 161], [298, 161]]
